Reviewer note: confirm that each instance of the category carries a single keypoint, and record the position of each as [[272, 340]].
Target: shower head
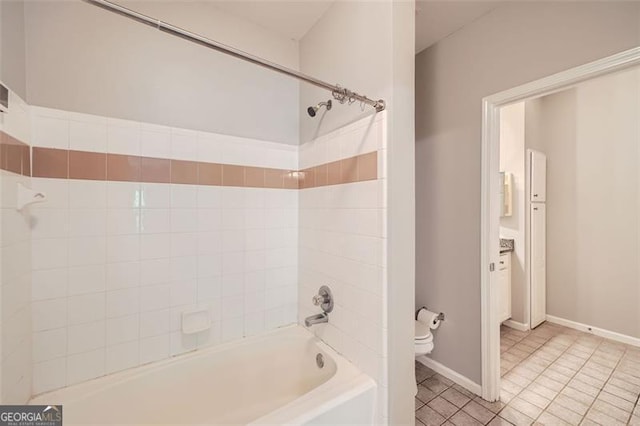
[[312, 110]]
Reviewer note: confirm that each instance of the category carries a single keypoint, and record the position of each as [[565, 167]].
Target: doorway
[[493, 203]]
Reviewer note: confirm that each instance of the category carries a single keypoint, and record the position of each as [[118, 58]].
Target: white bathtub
[[271, 379]]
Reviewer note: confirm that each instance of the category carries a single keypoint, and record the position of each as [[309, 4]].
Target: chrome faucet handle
[[319, 299], [324, 299]]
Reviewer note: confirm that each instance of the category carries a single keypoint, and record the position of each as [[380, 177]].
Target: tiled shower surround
[[143, 222], [343, 245]]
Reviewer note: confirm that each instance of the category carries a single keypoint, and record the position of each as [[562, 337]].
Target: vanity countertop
[[506, 245]]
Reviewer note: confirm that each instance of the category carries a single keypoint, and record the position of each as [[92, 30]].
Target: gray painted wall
[[12, 46], [590, 135], [514, 44], [82, 58]]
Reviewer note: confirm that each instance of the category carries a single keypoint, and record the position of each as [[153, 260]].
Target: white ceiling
[[292, 19], [436, 20]]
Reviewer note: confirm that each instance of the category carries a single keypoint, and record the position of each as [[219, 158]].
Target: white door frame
[[490, 203]]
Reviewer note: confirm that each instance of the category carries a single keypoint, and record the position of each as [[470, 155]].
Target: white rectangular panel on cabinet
[[538, 174], [538, 269], [504, 274]]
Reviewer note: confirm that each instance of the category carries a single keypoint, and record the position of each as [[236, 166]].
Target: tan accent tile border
[[50, 163], [353, 169], [69, 164], [87, 165], [14, 155]]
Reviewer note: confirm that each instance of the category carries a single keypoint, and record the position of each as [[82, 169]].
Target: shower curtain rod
[[341, 94]]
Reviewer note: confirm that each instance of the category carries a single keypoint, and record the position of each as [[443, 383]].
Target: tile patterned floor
[[550, 376]]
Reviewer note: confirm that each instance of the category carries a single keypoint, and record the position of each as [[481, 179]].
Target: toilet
[[423, 344], [423, 340]]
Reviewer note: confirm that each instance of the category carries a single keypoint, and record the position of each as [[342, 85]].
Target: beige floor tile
[[602, 419], [542, 390], [515, 417], [506, 396], [534, 398], [561, 369], [548, 419], [429, 417], [418, 403], [478, 412], [622, 393], [626, 377], [494, 407], [581, 397], [455, 397], [611, 411], [435, 384], [616, 401], [463, 391], [549, 383], [425, 394], [571, 404], [584, 387], [463, 419], [562, 413], [499, 421], [521, 370], [525, 407], [631, 386], [556, 376], [443, 407], [423, 372], [595, 373], [443, 379], [511, 387], [518, 379], [552, 375]]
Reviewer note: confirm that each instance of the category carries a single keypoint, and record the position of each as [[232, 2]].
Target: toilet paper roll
[[429, 317]]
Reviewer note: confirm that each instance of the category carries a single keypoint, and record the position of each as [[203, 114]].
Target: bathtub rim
[[347, 381]]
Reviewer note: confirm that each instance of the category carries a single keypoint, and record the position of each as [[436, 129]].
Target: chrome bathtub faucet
[[324, 299]]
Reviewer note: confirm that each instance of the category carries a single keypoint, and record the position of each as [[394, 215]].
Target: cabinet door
[[504, 273], [538, 176], [538, 268]]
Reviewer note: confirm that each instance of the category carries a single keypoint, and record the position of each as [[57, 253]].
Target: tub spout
[[316, 319]]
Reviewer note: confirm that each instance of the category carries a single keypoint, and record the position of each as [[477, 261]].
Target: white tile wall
[[15, 267], [114, 292], [116, 263], [343, 244]]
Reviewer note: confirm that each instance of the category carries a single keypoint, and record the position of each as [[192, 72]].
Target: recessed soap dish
[[195, 321]]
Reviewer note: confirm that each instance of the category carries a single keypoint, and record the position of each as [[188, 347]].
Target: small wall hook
[[28, 196]]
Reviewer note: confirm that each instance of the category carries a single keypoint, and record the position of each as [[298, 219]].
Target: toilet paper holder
[[440, 316]]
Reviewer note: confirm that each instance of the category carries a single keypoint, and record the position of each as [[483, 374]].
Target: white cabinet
[[538, 259], [504, 278]]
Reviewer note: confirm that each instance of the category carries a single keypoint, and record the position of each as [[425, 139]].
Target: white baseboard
[[458, 378], [612, 335], [516, 325]]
